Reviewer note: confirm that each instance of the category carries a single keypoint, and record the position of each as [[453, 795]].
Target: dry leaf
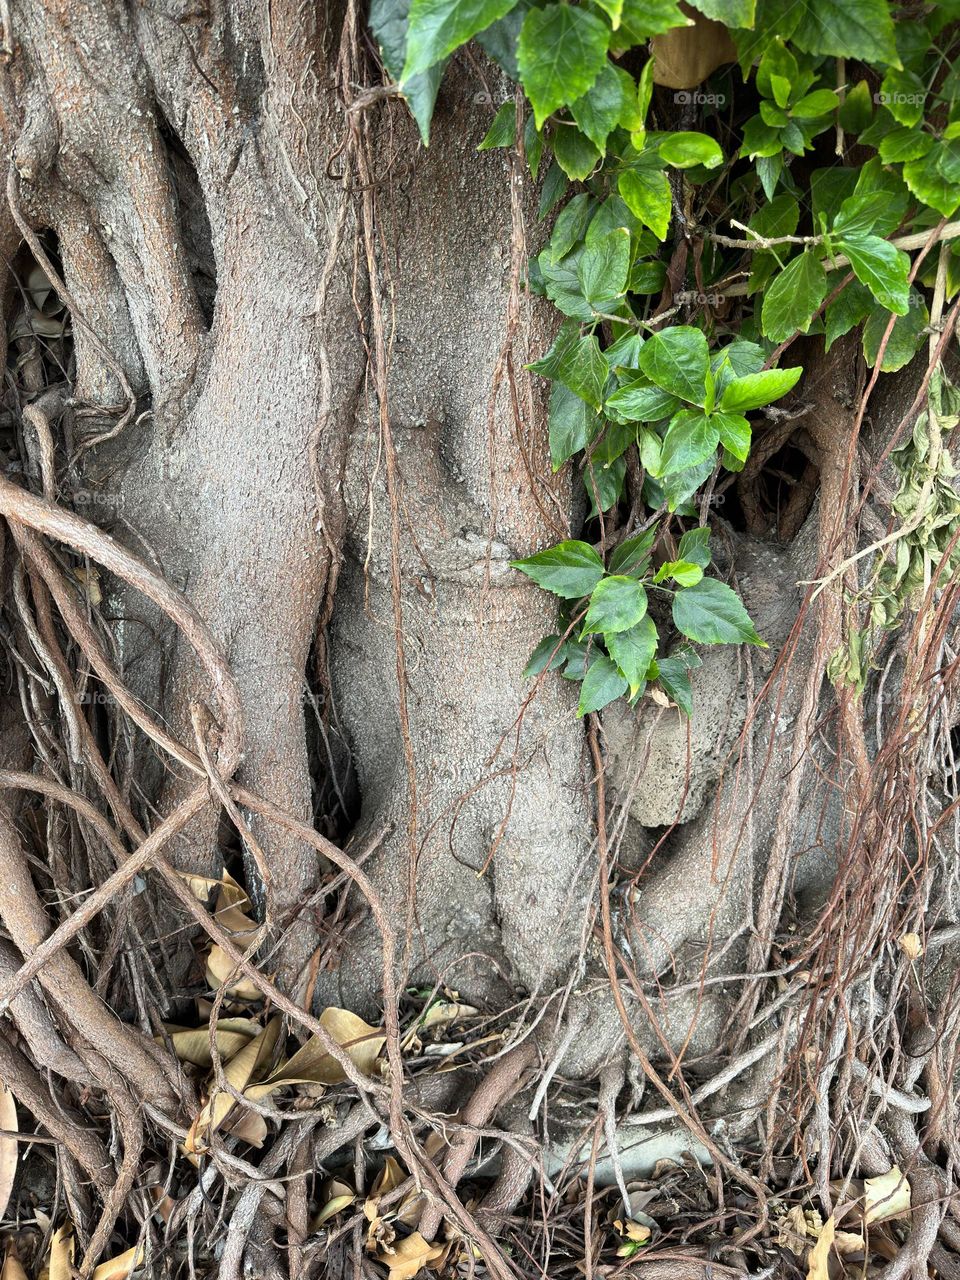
[[192, 1044], [8, 1147], [220, 970], [242, 1070], [12, 1267], [225, 889], [820, 1253], [685, 56], [887, 1196], [89, 580], [407, 1256], [121, 1266], [911, 946], [312, 1064], [60, 1262], [336, 1196]]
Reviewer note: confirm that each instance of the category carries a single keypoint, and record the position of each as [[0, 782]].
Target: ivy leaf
[[793, 298], [646, 193], [849, 308], [617, 603], [598, 111], [757, 389], [604, 485], [712, 613], [577, 362], [640, 19], [734, 435], [905, 339], [732, 13], [632, 556], [675, 679], [574, 152], [571, 225], [604, 265], [570, 569], [499, 40], [573, 424], [633, 651], [684, 150], [861, 29], [437, 27], [602, 683], [903, 93], [388, 22], [640, 401], [695, 546], [928, 184], [690, 439], [903, 144], [819, 103], [678, 360], [882, 268], [547, 656], [560, 53], [503, 130], [857, 217]]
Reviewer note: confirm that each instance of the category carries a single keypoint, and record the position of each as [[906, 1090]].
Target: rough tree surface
[[270, 444]]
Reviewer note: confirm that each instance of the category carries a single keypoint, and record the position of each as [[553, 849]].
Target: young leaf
[[503, 130], [632, 556], [617, 603], [684, 150], [678, 360], [882, 268], [602, 683], [684, 572], [437, 27], [570, 569], [561, 51], [793, 299], [757, 389], [712, 613], [690, 439], [633, 651], [646, 193]]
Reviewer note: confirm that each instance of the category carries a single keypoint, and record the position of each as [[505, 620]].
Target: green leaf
[[571, 225], [598, 111], [882, 268], [561, 51], [499, 40], [861, 29], [577, 362], [711, 613], [633, 651], [734, 435], [902, 144], [646, 193], [503, 130], [928, 184], [684, 150], [678, 360], [903, 93], [640, 19], [570, 569], [640, 401], [547, 656], [850, 307], [437, 27], [757, 389], [561, 284], [857, 217], [889, 193], [776, 72], [573, 424], [695, 546], [732, 13], [574, 152], [602, 683], [632, 556], [617, 603], [690, 439], [388, 22], [684, 572], [604, 485], [793, 298], [857, 109], [603, 267], [905, 340], [819, 103], [673, 675]]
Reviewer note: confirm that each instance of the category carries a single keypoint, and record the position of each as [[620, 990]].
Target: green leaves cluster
[[610, 641], [778, 150]]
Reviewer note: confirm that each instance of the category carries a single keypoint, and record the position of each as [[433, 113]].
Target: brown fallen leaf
[[886, 1196], [313, 1065], [8, 1147], [820, 1253], [408, 1255], [246, 1067], [12, 1267], [192, 1044], [335, 1196], [910, 945], [60, 1261], [123, 1265]]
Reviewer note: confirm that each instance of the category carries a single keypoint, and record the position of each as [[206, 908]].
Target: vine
[[829, 138]]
